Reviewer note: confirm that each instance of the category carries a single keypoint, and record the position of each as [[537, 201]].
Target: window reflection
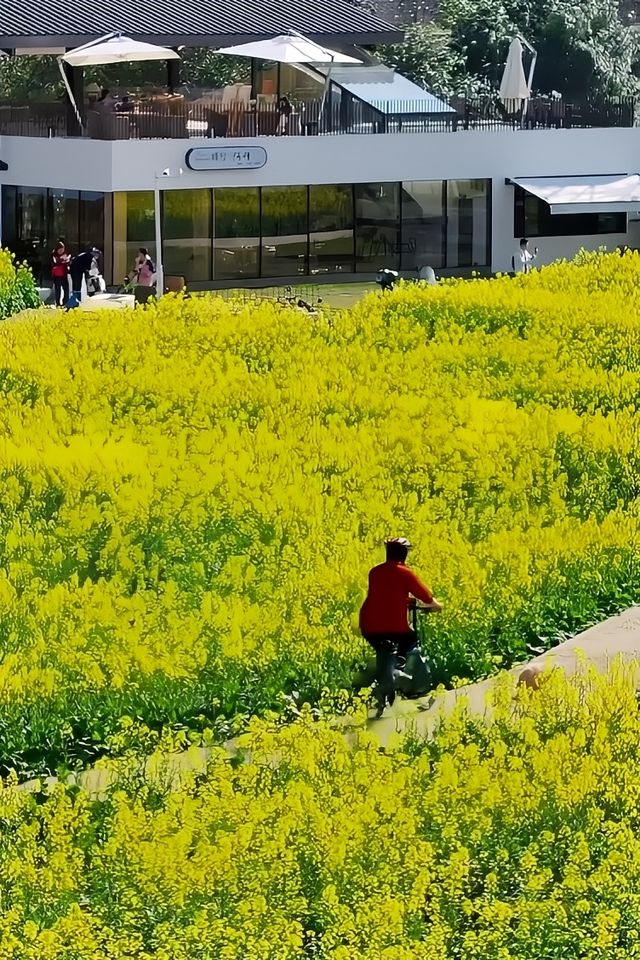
[[133, 227], [331, 237], [468, 223], [63, 222], [423, 223], [377, 226], [236, 233], [187, 224], [284, 231]]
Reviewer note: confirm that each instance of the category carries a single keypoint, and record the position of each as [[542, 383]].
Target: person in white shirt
[[522, 260]]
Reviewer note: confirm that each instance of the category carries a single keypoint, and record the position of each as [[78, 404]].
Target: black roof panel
[[41, 23]]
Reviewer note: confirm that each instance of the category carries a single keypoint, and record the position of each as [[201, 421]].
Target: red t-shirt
[[391, 586]]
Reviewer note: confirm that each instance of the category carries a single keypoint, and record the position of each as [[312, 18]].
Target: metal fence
[[181, 119]]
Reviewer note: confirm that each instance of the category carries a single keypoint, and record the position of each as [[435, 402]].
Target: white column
[[158, 226]]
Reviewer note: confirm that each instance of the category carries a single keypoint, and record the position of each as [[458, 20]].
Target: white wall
[[132, 165]]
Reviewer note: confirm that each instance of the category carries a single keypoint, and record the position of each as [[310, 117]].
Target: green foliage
[[17, 286], [429, 58], [583, 48], [24, 78], [191, 496], [515, 839]]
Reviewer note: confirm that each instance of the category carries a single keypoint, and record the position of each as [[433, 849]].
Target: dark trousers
[[61, 290], [391, 652], [76, 281]]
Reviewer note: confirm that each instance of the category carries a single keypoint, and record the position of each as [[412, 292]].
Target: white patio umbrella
[[515, 89], [288, 48], [293, 48], [112, 48]]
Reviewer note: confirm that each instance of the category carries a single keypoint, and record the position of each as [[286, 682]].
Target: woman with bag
[[60, 261], [144, 269]]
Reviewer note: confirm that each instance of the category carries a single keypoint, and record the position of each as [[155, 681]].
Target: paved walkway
[[102, 301], [599, 646]]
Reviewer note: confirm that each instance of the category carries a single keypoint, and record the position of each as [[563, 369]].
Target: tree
[[39, 77], [429, 58], [583, 46]]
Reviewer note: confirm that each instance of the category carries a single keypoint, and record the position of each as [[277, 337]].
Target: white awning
[[614, 193]]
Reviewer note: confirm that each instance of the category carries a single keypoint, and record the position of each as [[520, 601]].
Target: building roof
[[385, 90], [210, 23]]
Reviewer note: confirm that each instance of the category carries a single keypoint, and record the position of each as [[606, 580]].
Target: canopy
[[117, 49], [513, 86], [616, 193], [288, 48], [387, 91]]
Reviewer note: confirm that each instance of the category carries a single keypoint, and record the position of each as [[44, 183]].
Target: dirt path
[[600, 646]]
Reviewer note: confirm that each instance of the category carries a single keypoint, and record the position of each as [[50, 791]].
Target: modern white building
[[380, 174]]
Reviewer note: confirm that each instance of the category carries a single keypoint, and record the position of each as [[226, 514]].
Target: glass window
[[468, 223], [133, 227], [284, 231], [64, 219], [186, 234], [236, 233], [377, 226], [266, 78], [92, 220], [423, 224], [31, 233], [331, 237], [298, 85], [533, 218], [9, 211]]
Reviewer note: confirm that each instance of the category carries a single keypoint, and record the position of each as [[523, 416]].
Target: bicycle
[[404, 670], [127, 286]]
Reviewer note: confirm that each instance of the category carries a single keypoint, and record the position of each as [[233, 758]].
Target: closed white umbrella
[[513, 86]]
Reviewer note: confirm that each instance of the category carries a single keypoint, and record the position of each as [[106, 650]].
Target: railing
[[182, 119]]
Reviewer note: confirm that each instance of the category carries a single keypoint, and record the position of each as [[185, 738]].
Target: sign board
[[226, 158]]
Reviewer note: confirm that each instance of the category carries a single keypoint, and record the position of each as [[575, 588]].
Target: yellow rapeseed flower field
[[191, 494], [517, 840]]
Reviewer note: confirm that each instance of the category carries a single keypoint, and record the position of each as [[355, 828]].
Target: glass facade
[[284, 231], [133, 227], [187, 233], [423, 224], [331, 229], [237, 234], [33, 218], [377, 212], [236, 244]]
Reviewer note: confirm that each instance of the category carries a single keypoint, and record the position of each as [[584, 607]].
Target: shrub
[[17, 286]]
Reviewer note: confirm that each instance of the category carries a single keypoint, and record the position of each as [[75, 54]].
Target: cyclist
[[384, 615]]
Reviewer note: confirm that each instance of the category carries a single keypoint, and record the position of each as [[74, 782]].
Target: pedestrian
[[106, 102], [522, 260], [285, 109], [60, 261], [144, 269], [80, 266]]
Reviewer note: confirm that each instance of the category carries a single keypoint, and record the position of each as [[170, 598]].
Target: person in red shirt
[[384, 619]]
